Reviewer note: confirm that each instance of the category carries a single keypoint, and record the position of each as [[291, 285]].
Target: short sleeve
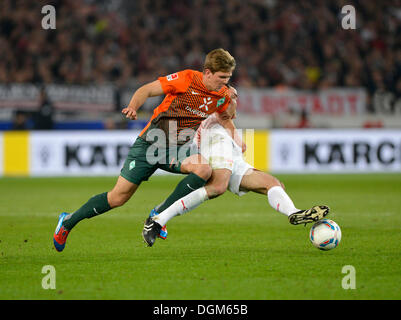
[[176, 82]]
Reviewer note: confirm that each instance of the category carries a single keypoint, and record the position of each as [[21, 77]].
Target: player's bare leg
[[264, 183], [198, 165], [121, 192], [259, 181], [218, 183]]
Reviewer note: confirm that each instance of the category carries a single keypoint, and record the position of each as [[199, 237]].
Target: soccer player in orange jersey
[[190, 97], [232, 172]]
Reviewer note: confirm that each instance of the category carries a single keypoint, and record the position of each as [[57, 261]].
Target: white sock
[[183, 205], [280, 201]]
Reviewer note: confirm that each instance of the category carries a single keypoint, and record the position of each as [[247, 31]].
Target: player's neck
[[206, 83]]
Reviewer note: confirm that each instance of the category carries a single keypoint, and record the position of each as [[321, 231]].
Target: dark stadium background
[[123, 44]]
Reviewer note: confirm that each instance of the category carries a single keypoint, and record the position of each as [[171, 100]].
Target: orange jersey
[[186, 104]]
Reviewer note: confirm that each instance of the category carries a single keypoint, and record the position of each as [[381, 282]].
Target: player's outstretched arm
[[148, 90]]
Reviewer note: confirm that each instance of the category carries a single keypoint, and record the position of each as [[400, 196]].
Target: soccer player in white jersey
[[232, 172]]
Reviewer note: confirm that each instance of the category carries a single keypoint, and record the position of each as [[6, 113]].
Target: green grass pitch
[[228, 248]]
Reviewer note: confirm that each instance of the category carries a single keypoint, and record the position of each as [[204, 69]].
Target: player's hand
[[130, 113]]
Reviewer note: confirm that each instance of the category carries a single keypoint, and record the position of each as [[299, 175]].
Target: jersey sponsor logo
[[205, 104], [196, 112], [172, 76]]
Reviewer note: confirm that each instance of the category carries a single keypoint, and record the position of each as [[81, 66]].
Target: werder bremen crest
[[220, 101]]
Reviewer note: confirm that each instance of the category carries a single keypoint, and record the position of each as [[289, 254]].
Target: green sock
[[96, 205], [186, 186]]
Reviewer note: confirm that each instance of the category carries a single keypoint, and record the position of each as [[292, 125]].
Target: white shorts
[[222, 152], [239, 170]]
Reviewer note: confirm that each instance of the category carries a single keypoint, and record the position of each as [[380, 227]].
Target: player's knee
[[221, 188], [274, 183], [217, 189], [277, 182], [204, 171], [117, 199]]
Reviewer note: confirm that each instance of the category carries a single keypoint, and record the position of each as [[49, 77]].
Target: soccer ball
[[325, 234]]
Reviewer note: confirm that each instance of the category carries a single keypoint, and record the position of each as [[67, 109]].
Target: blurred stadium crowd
[[295, 43], [299, 44]]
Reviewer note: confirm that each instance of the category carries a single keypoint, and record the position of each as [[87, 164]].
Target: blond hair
[[219, 60]]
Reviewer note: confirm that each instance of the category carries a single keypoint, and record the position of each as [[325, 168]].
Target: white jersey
[[209, 127], [209, 123], [216, 145]]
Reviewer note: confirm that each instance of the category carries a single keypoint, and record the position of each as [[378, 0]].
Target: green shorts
[[145, 158]]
